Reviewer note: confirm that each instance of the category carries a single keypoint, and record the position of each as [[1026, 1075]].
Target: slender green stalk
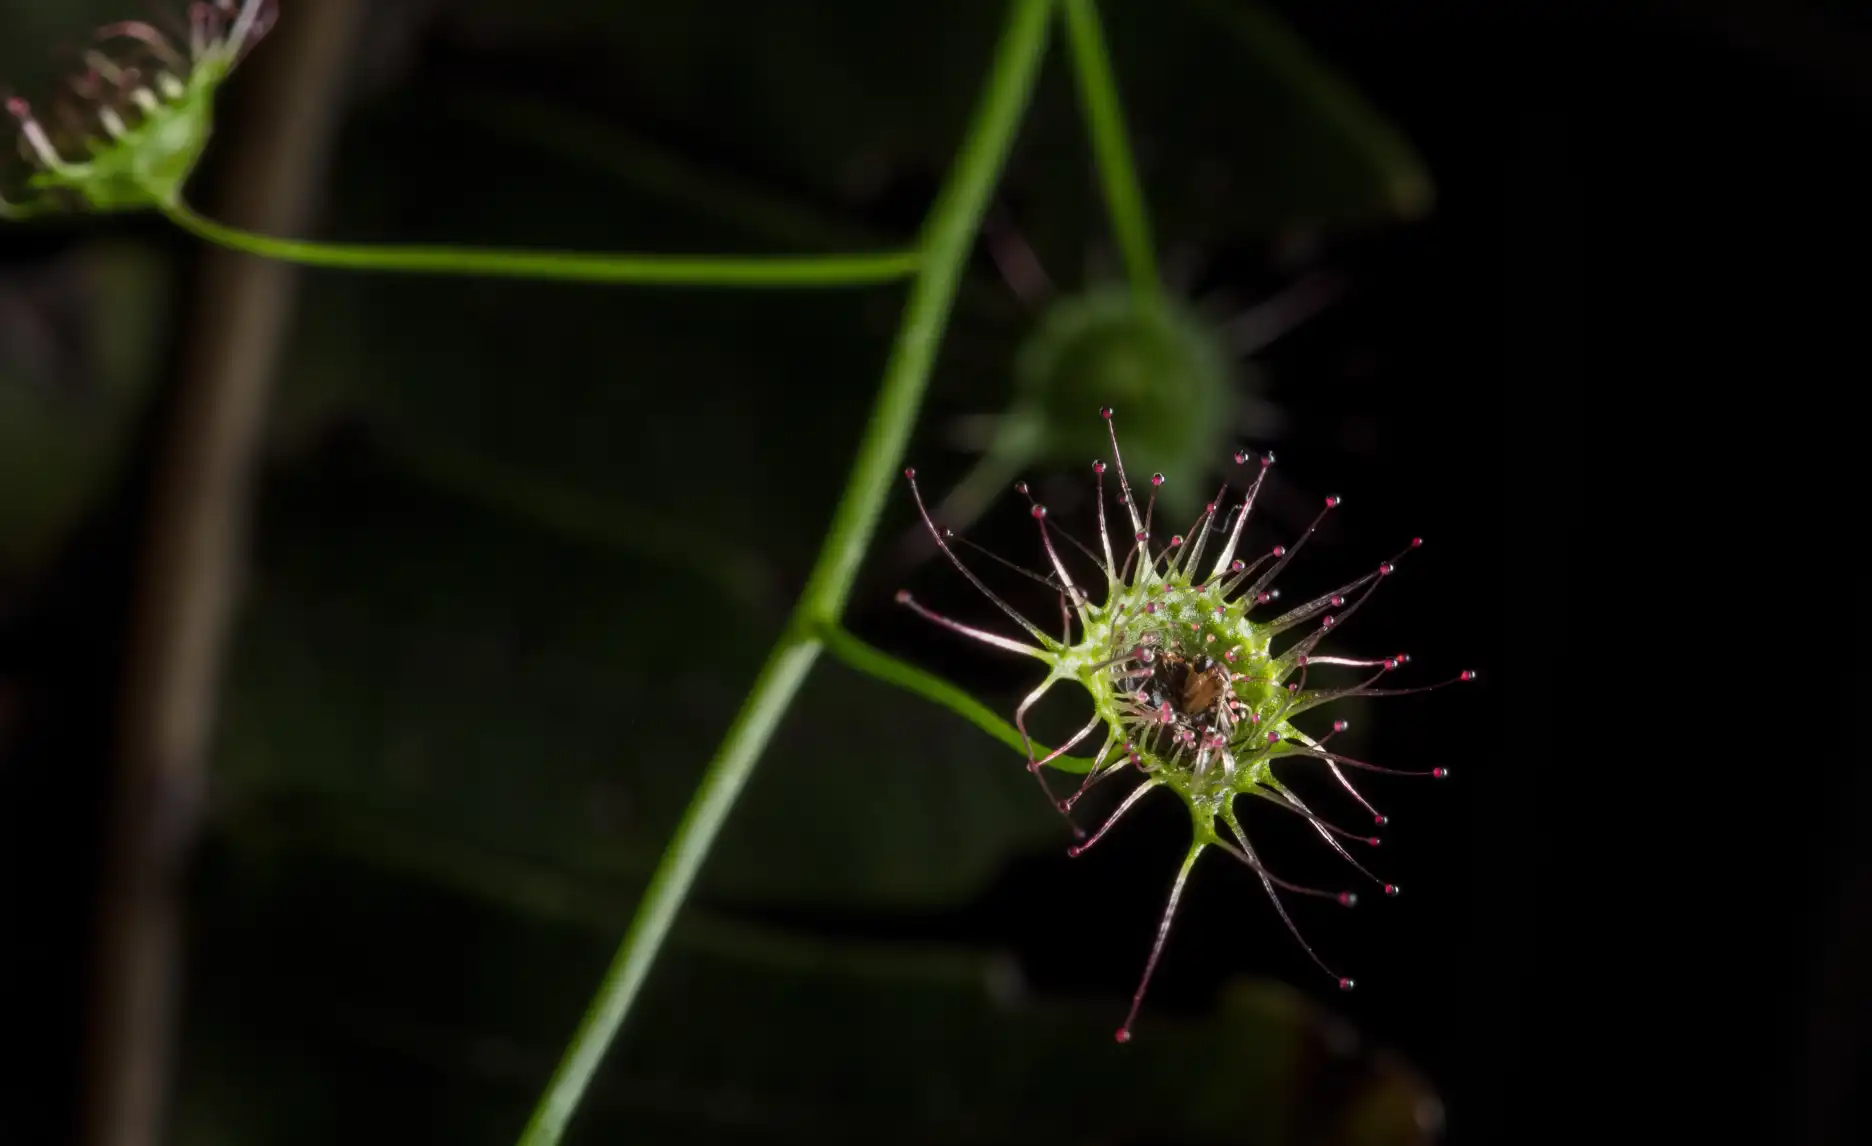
[[882, 666], [1098, 96], [790, 272], [948, 237], [605, 149]]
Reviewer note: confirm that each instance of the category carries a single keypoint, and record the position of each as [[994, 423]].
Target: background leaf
[[420, 662], [462, 1016]]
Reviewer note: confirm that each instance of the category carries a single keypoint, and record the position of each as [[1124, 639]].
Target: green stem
[[564, 266], [882, 666], [948, 237], [1098, 96], [608, 150]]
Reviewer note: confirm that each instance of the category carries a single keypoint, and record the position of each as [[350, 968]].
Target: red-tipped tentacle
[[943, 545], [1163, 933]]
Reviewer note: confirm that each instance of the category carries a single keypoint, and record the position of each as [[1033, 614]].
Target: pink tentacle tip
[[1347, 984], [1123, 1035]]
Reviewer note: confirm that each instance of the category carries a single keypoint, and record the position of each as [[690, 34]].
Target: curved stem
[[947, 240], [880, 665], [796, 271], [608, 150], [1098, 96]]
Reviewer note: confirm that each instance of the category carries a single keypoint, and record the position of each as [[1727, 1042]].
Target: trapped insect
[[1186, 684]]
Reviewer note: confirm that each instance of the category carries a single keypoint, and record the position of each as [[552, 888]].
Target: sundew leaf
[[332, 1003]]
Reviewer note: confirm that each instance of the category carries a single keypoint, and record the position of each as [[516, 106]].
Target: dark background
[[1609, 377]]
